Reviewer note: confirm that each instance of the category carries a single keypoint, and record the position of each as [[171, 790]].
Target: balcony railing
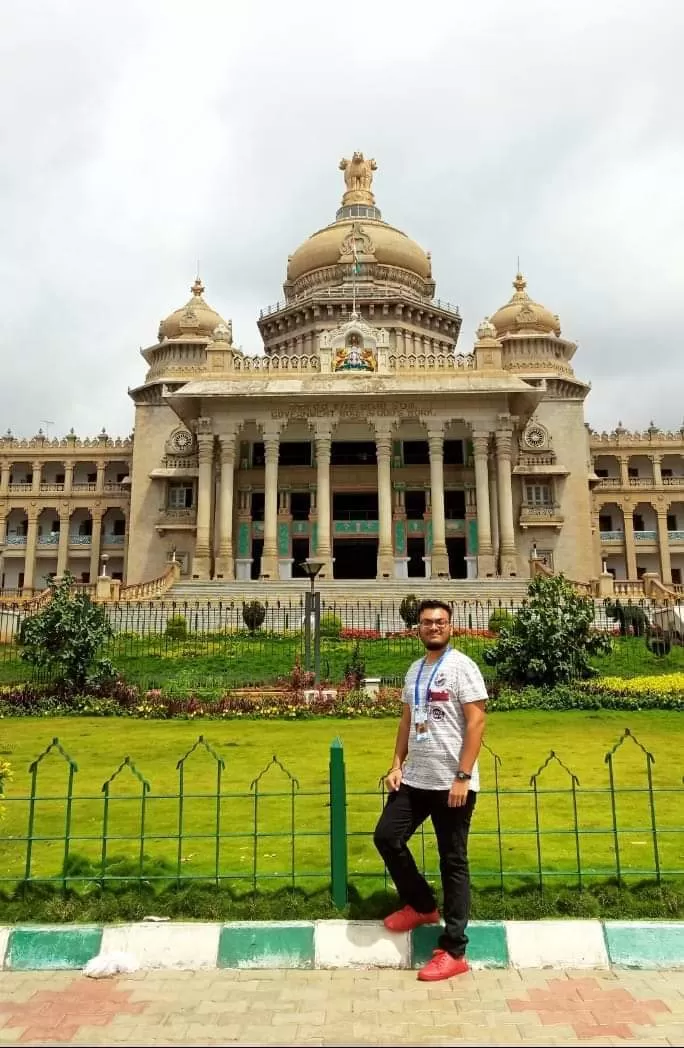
[[16, 540], [114, 488], [676, 536], [356, 527], [540, 515], [82, 489], [80, 540], [49, 540], [609, 482], [20, 489], [50, 488], [612, 536], [642, 482], [345, 291], [645, 536], [113, 540]]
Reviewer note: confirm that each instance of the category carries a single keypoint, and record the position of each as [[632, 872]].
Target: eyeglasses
[[435, 624]]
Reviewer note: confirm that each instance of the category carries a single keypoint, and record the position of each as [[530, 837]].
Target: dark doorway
[[456, 548], [300, 551], [353, 453], [355, 559], [415, 548], [352, 505], [454, 504], [257, 550]]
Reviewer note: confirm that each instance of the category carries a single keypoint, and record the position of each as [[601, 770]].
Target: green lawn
[[210, 663], [522, 741]]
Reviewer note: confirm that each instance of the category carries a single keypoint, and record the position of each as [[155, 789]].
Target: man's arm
[[474, 713], [393, 780]]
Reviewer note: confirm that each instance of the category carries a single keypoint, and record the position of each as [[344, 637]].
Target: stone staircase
[[351, 591]]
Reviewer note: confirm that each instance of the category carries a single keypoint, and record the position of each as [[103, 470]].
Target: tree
[[408, 609], [66, 636], [550, 639], [253, 615]]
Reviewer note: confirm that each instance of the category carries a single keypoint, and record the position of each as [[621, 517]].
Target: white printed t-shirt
[[432, 763]]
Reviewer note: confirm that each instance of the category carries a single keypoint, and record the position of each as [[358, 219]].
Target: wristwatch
[[462, 776]]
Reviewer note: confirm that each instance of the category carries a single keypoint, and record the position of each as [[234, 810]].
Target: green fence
[[273, 832], [208, 646]]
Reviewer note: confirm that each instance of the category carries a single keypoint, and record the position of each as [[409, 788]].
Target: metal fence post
[[338, 825], [308, 611], [317, 638]]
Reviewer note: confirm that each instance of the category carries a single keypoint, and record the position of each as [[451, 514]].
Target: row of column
[[493, 493], [630, 544], [63, 545], [37, 477]]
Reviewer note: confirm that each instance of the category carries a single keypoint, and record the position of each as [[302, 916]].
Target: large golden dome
[[358, 236], [388, 246], [522, 316], [196, 319]]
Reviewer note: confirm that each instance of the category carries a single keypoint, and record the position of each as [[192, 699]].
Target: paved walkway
[[343, 1007]]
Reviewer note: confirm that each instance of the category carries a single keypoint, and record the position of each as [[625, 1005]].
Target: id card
[[421, 723]]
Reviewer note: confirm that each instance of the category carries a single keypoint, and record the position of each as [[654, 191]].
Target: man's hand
[[458, 794], [393, 780]]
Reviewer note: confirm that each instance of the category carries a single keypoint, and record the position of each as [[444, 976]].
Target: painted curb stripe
[[556, 944], [184, 945], [263, 945], [360, 944], [657, 944], [36, 949], [487, 947]]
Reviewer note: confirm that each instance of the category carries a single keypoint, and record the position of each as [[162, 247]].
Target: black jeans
[[404, 812]]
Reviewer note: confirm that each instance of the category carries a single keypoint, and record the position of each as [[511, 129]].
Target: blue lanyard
[[416, 692]]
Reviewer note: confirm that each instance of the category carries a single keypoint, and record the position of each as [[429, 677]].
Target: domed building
[[364, 434]]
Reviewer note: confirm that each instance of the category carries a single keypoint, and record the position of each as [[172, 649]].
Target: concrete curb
[[343, 944]]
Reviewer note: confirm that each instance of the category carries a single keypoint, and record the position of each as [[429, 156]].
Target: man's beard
[[435, 645]]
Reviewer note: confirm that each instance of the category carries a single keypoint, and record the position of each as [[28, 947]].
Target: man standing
[[434, 772]]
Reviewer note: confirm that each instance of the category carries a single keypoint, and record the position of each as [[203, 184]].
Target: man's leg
[[451, 829], [403, 813]]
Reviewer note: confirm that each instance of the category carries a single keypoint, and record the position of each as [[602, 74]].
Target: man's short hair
[[429, 605]]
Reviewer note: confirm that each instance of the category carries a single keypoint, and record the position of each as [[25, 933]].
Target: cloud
[[141, 137]]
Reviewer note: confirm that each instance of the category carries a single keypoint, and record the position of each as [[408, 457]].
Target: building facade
[[364, 435]]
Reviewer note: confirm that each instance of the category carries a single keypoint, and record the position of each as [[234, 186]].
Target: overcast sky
[[141, 136]]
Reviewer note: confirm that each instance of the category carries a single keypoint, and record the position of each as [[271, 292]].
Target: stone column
[[63, 547], [5, 478], [30, 558], [624, 471], [383, 445], [630, 549], [269, 559], [225, 565], [504, 449], [124, 570], [494, 509], [37, 468], [440, 558], [321, 498], [95, 542], [657, 474], [201, 561], [664, 543], [68, 477], [486, 564], [99, 480]]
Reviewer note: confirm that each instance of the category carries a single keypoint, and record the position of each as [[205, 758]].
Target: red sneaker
[[442, 966], [406, 919]]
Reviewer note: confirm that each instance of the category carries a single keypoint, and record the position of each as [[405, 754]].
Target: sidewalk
[[343, 1007]]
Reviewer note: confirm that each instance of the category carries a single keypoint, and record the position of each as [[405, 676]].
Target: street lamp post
[[312, 609]]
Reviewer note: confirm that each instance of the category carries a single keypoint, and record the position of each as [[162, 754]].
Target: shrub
[[331, 626], [355, 670], [550, 639], [176, 628], [65, 637], [630, 618], [408, 609], [499, 618], [253, 615]]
